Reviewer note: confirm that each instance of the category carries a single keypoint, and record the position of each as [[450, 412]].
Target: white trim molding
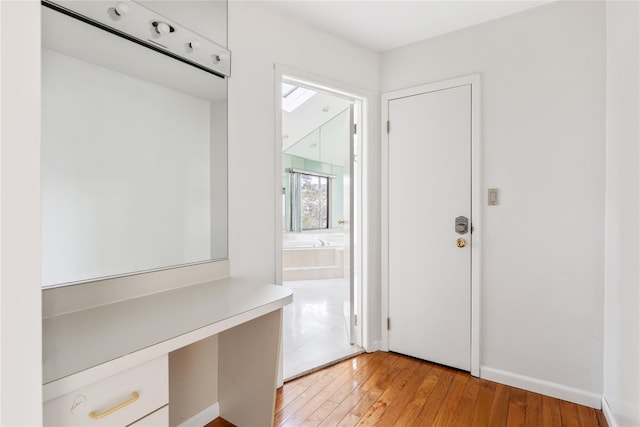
[[536, 385], [203, 418], [476, 205], [608, 413]]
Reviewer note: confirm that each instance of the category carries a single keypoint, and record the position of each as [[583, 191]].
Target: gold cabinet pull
[[96, 416]]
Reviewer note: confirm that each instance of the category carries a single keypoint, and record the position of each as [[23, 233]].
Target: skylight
[[294, 96], [287, 89]]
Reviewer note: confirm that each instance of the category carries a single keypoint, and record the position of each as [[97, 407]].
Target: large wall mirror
[[134, 146]]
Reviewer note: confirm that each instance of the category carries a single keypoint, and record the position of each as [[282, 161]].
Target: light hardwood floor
[[388, 389]]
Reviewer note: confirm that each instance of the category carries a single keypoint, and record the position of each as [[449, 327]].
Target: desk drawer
[[115, 401], [160, 418]]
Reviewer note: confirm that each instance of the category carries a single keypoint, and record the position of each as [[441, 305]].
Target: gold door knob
[[461, 242], [342, 221]]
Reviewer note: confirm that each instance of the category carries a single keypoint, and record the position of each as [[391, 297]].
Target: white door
[[350, 227], [348, 221], [429, 187]]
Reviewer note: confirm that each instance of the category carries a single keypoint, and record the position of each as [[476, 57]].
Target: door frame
[[476, 204], [365, 99]]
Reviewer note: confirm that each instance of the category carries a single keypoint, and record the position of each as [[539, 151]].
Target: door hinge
[[355, 319], [355, 128], [388, 126], [388, 323]]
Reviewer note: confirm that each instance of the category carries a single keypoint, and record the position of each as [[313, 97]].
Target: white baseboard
[[203, 418], [536, 385], [608, 414]]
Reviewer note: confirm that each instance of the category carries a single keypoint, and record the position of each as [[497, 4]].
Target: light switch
[[493, 196]]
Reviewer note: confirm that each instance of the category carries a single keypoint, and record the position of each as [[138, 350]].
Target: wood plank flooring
[[388, 389]]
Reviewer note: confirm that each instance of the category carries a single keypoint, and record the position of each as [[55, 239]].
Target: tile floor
[[315, 328]]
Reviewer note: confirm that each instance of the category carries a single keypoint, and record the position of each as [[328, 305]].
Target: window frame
[[327, 204], [295, 174]]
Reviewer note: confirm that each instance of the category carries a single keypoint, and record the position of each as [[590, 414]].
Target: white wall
[[543, 74], [622, 239], [20, 318], [259, 39]]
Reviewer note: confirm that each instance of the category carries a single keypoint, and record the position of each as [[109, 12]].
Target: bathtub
[[306, 244], [312, 256]]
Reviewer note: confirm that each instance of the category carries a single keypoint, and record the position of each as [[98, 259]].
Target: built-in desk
[[84, 347]]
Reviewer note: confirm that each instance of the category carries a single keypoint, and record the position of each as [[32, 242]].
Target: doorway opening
[[321, 193]]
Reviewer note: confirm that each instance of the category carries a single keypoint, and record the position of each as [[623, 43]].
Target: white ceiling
[[310, 116], [382, 25]]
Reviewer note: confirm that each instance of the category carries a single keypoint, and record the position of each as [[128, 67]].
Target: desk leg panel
[[247, 370]]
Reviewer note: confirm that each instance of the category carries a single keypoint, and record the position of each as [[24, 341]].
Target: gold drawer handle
[[96, 416]]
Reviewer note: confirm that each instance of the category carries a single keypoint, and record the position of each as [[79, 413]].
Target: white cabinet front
[[157, 419], [115, 401]]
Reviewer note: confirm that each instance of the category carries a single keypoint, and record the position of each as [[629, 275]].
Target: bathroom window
[[314, 201]]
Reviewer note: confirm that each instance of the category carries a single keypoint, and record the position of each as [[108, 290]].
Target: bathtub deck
[[313, 263]]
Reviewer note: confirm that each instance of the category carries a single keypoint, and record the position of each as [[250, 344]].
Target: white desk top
[[84, 339]]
